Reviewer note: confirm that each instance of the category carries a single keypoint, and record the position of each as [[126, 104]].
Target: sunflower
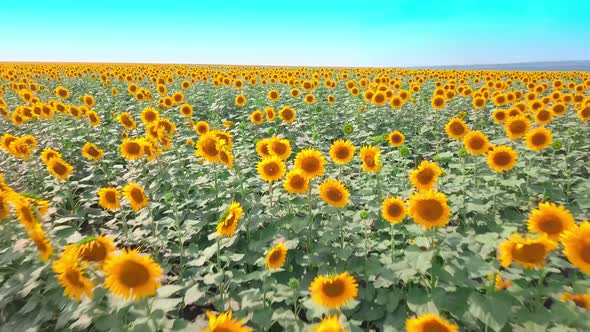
[[62, 92], [6, 140], [330, 324], [311, 163], [131, 275], [516, 127], [24, 212], [393, 210], [430, 323], [280, 147], [379, 98], [225, 322], [334, 193], [96, 249], [186, 110], [499, 116], [287, 114], [273, 95], [581, 300], [502, 158], [543, 117], [342, 151], [257, 117], [240, 100], [108, 198], [424, 177], [149, 116], [476, 142], [584, 113], [276, 256], [528, 252], [296, 182], [309, 99], [201, 127], [262, 148], [4, 207], [225, 155], [135, 196], [456, 128], [271, 168], [71, 275], [127, 121], [438, 102], [538, 138], [93, 118], [37, 235], [270, 114], [229, 221], [331, 99], [333, 291], [550, 219], [207, 147], [48, 153], [370, 157], [92, 152], [576, 243], [295, 92], [429, 209], [501, 284], [396, 138], [59, 168]]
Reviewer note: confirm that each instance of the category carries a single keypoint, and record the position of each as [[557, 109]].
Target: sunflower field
[[232, 198]]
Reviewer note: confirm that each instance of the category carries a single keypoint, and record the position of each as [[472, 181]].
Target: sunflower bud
[[348, 129], [293, 283], [364, 214], [557, 145], [271, 131], [404, 151], [462, 153]]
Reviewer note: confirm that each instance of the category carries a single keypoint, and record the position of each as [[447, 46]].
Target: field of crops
[[227, 198]]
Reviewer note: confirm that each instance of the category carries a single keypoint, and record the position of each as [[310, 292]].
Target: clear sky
[[302, 32]]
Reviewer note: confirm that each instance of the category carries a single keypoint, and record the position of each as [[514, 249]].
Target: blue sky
[[329, 33]]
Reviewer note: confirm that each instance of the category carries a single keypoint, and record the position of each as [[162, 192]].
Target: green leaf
[[491, 311], [193, 294]]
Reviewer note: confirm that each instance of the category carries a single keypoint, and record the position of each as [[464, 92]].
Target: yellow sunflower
[[396, 138], [393, 210], [425, 176], [330, 324], [527, 252], [538, 138], [516, 127], [333, 291], [201, 127], [186, 110], [37, 235], [438, 102], [135, 196], [430, 323], [342, 151], [224, 322], [271, 168], [240, 100], [273, 95], [311, 163], [499, 116], [70, 273], [501, 284], [132, 148], [296, 182], [309, 99], [429, 209], [370, 157], [334, 193], [257, 117], [287, 114], [25, 213], [476, 142], [149, 116], [456, 128], [4, 207], [550, 219], [59, 168], [262, 148], [576, 246], [270, 114], [543, 117], [276, 256], [131, 275], [108, 198], [581, 300], [280, 147], [502, 158], [92, 152], [96, 249], [207, 147], [229, 221]]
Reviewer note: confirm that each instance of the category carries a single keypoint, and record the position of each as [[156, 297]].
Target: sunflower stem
[[220, 268], [264, 290], [392, 234], [463, 193], [309, 225], [270, 199], [341, 217], [495, 194]]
